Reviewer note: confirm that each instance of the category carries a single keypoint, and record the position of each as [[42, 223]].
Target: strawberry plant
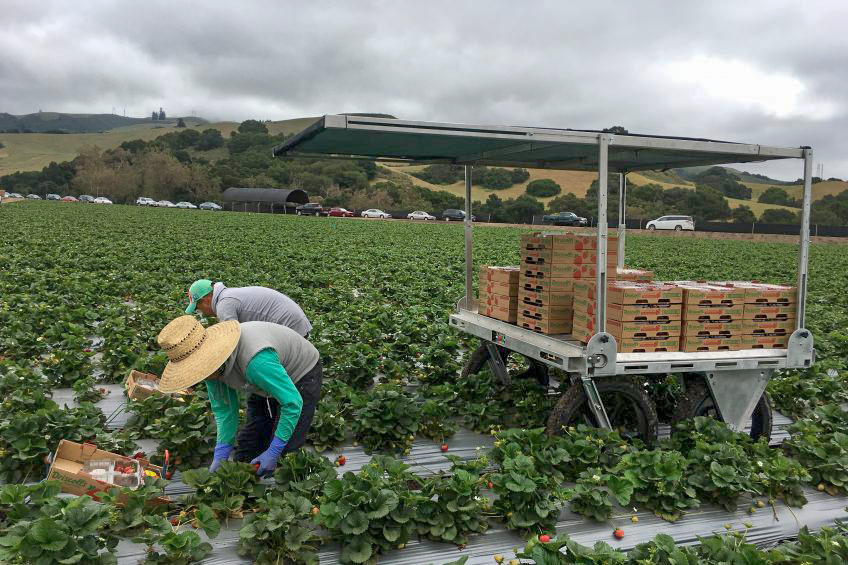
[[372, 511], [227, 491], [658, 481], [305, 473], [187, 431], [329, 425], [548, 453], [128, 519], [778, 476], [828, 545], [591, 495], [166, 545], [280, 531], [144, 412], [820, 445], [562, 550], [527, 498], [86, 390], [436, 420], [23, 390], [720, 473], [451, 507], [386, 419]]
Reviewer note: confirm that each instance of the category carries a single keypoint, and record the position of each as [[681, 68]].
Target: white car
[[188, 205], [33, 197], [676, 223], [102, 200], [209, 206], [420, 215], [166, 204], [144, 201], [14, 195], [375, 213]]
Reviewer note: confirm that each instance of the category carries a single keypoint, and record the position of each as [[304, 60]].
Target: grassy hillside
[[32, 151], [820, 189]]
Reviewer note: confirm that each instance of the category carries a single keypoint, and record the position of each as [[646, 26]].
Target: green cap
[[196, 291]]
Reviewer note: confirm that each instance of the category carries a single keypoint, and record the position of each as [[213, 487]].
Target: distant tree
[[837, 179], [492, 207], [519, 176], [252, 126], [724, 181], [181, 123], [161, 114], [522, 209], [778, 216], [134, 146], [569, 203], [543, 188], [210, 139], [369, 168], [440, 174], [154, 116], [742, 215], [616, 130], [705, 204], [776, 195], [182, 156], [493, 178]]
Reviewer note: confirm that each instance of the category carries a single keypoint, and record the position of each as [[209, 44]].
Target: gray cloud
[[764, 72]]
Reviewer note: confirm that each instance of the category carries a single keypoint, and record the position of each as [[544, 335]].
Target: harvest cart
[[603, 390]]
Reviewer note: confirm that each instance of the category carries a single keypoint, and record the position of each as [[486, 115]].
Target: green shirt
[[266, 373]]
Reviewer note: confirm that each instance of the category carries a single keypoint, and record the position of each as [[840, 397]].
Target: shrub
[[543, 188]]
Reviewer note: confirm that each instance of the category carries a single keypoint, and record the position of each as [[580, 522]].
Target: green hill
[[56, 122]]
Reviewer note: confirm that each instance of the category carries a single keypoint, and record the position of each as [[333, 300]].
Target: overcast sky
[[770, 72]]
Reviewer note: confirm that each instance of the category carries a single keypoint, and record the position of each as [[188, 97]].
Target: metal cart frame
[[736, 379]]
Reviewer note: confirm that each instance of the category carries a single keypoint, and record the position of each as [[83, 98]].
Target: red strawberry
[[175, 521], [341, 460], [544, 538], [490, 484], [618, 533], [168, 475], [444, 447]]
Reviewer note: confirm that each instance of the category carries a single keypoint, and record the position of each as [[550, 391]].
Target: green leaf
[[357, 550], [49, 535], [207, 521], [355, 523]]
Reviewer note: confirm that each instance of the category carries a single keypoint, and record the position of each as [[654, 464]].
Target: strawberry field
[[410, 462]]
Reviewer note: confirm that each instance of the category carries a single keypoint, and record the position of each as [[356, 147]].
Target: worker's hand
[[267, 460], [222, 453]]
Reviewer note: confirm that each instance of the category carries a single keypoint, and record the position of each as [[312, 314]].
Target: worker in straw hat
[[250, 304], [258, 357]]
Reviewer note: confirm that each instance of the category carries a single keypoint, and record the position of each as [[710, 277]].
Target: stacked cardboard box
[[551, 264], [642, 316], [768, 314], [634, 275], [498, 293], [712, 316]]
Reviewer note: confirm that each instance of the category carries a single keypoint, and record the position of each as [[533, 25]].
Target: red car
[[340, 213]]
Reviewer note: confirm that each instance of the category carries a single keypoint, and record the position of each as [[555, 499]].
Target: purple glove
[[267, 460], [222, 453]]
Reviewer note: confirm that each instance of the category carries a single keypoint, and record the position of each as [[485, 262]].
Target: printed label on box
[[699, 343], [499, 300], [765, 342], [498, 288], [769, 311], [630, 312], [717, 328], [766, 326], [713, 312]]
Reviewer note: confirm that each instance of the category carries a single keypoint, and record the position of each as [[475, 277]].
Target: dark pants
[[263, 413]]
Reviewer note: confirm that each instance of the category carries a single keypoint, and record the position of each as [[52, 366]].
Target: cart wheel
[[629, 409], [697, 401], [520, 367]]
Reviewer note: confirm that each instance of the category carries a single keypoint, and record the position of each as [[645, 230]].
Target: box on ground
[[143, 385], [769, 311], [499, 274], [770, 327], [545, 326], [757, 292], [77, 467], [710, 343], [765, 341]]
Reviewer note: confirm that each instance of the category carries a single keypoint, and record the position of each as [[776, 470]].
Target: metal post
[[804, 252], [469, 241], [622, 216], [601, 278]]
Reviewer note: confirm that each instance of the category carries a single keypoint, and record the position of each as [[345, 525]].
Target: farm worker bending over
[[267, 359], [250, 304]]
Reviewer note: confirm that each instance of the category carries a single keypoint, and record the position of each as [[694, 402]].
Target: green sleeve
[[225, 406], [266, 372]]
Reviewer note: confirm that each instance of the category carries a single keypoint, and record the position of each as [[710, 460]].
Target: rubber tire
[[696, 400], [574, 399], [480, 359], [299, 213], [678, 228], [652, 228]]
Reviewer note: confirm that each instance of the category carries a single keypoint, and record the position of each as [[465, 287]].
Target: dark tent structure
[[263, 199]]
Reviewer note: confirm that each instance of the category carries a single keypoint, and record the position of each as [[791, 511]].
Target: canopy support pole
[[601, 269], [622, 216], [469, 241], [804, 251]]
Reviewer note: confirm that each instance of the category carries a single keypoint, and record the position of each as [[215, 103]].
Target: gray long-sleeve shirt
[[258, 304]]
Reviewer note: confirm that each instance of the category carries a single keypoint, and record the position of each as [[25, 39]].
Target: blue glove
[[222, 453], [267, 460]]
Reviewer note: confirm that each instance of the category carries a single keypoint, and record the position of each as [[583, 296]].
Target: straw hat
[[195, 352]]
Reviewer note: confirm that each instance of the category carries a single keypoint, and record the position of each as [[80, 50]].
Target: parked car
[[420, 215], [375, 213], [676, 223], [338, 212], [209, 206], [69, 199], [102, 200], [86, 198], [144, 201], [311, 209], [14, 195], [187, 205], [52, 196], [166, 204], [454, 214], [564, 219], [33, 197]]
